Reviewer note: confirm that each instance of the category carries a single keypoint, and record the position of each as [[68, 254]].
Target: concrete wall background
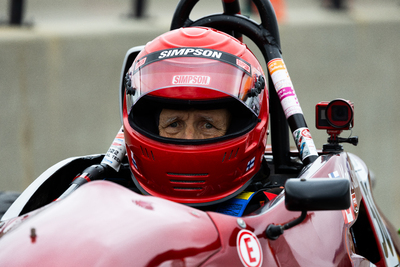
[[59, 79]]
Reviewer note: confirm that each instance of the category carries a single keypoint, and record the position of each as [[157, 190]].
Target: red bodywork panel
[[103, 224]]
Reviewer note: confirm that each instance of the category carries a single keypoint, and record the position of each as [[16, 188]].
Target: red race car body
[[104, 224], [318, 210]]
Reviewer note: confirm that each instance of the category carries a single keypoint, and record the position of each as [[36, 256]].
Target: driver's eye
[[173, 125], [208, 125]]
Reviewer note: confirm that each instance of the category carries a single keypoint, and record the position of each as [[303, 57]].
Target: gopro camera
[[335, 115]]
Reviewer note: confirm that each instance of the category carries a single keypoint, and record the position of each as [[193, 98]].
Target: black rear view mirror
[[317, 194]]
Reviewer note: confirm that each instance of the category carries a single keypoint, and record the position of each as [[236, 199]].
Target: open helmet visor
[[194, 74]]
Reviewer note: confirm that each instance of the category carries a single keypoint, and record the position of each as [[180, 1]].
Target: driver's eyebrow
[[206, 117], [168, 121]]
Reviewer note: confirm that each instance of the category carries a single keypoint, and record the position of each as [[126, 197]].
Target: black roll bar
[[16, 12], [138, 8]]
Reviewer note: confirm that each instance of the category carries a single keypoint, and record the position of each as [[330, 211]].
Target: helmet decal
[[191, 79], [193, 52]]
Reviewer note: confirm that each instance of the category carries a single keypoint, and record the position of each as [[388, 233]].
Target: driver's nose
[[189, 132]]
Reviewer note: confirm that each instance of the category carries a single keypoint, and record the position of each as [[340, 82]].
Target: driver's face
[[193, 124]]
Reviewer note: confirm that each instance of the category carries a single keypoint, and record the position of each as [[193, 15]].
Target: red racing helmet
[[195, 68]]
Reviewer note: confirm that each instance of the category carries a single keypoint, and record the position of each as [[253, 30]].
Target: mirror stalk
[[274, 231]]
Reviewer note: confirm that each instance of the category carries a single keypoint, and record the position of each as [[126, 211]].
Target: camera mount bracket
[[334, 141]]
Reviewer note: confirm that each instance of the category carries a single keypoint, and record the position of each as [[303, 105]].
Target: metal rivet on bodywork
[[194, 213], [33, 235], [241, 223]]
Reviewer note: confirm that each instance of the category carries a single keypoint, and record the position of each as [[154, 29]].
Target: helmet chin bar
[[202, 204]]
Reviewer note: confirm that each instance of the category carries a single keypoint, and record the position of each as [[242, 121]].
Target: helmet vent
[[188, 185], [146, 153], [188, 188], [187, 174], [188, 181], [232, 155]]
